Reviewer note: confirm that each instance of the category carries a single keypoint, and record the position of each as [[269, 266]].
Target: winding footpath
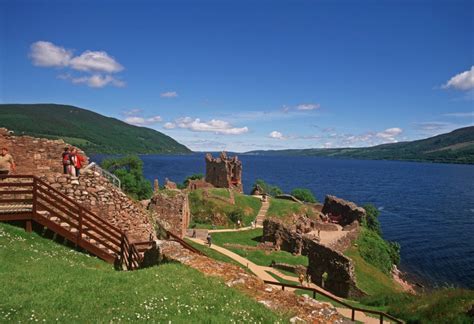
[[262, 272]]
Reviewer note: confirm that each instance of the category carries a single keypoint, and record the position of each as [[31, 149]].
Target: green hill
[[454, 147], [90, 131]]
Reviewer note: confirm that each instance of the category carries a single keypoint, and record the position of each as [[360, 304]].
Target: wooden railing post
[[353, 314], [381, 318], [130, 257], [34, 199], [79, 230], [314, 294]]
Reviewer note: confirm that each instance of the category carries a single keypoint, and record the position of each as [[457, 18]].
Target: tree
[[196, 176], [304, 195], [129, 169], [236, 215], [267, 188], [371, 221]]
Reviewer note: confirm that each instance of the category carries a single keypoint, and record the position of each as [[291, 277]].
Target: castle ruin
[[224, 171]]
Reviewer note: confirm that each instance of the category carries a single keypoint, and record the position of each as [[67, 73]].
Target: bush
[[236, 215], [371, 221], [196, 176], [304, 195], [394, 250], [375, 250], [267, 188], [129, 170]]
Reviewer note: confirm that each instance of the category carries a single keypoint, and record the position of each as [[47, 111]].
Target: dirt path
[[262, 273]]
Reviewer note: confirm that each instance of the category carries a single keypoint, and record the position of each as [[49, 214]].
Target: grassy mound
[[44, 281], [283, 208], [215, 209]]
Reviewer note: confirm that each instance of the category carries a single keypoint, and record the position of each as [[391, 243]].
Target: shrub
[[304, 195], [196, 176], [236, 215], [375, 250], [129, 169], [267, 188], [371, 221]]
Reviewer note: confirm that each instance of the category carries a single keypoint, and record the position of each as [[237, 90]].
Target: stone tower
[[224, 172]]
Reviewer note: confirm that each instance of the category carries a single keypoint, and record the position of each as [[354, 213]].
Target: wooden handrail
[[353, 308], [76, 216], [185, 244]]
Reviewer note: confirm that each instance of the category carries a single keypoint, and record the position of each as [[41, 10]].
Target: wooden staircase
[[28, 198]]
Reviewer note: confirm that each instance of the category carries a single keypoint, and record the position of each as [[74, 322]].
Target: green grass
[[220, 192], [202, 208], [369, 278], [44, 281], [260, 257], [283, 208]]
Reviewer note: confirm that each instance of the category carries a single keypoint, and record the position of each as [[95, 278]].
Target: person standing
[[78, 162], [209, 239], [7, 164], [72, 162], [66, 160]]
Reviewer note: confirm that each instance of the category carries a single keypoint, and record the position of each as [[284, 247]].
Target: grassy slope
[[250, 205], [260, 257], [454, 147], [42, 280], [90, 131], [282, 208]]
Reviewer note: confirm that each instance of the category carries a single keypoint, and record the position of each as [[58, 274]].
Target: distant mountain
[[88, 130], [454, 147]]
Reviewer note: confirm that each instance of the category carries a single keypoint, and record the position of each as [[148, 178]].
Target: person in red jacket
[[77, 160]]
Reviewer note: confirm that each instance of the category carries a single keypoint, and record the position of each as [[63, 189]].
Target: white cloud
[[49, 55], [97, 64], [276, 135], [169, 125], [98, 61], [133, 112], [97, 81], [389, 134], [214, 126], [461, 81], [141, 121], [169, 94], [308, 106]]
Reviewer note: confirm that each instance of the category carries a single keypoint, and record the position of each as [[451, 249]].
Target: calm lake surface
[[428, 208]]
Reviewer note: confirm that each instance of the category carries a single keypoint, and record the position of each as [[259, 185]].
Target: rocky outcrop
[[170, 208], [345, 212]]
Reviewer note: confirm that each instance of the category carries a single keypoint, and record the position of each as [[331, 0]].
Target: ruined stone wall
[[170, 208], [224, 172], [347, 210], [341, 279], [97, 194], [42, 157], [37, 156]]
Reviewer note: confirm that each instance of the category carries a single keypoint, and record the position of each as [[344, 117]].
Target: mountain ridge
[[91, 131], [456, 146]]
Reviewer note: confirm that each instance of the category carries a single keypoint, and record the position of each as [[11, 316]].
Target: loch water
[[427, 207]]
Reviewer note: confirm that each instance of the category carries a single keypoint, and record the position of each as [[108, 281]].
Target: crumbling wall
[[341, 279], [35, 156], [170, 208], [348, 211], [42, 157], [296, 239], [224, 172]]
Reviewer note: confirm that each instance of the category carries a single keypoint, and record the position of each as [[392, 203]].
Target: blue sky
[[241, 75]]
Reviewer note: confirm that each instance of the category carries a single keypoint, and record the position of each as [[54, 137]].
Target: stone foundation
[[347, 211]]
